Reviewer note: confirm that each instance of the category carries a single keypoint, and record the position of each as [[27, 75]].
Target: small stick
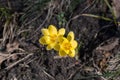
[[19, 61], [73, 74], [48, 75]]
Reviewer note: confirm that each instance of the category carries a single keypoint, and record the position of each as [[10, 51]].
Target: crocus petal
[[66, 51], [52, 30], [61, 31], [62, 53], [70, 36], [50, 46], [65, 40], [74, 43], [57, 47], [61, 39], [44, 40], [72, 53], [45, 31], [63, 44]]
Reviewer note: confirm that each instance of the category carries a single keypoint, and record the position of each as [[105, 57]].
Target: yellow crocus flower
[[67, 45], [51, 36]]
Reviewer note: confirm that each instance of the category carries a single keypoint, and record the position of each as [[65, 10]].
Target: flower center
[[67, 46]]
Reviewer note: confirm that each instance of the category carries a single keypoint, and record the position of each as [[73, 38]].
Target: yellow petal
[[61, 39], [50, 46], [63, 43], [70, 36], [72, 53], [74, 43], [52, 30], [66, 51], [44, 40], [45, 31], [57, 47], [62, 53], [61, 31], [65, 40]]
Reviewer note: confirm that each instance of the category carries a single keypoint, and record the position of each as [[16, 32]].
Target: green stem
[[114, 17], [99, 17]]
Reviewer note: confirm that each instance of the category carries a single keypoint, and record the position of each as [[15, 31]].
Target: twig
[[77, 16], [1, 40], [49, 15], [3, 71], [48, 75], [23, 31], [19, 61], [32, 20], [59, 57], [31, 60], [73, 74]]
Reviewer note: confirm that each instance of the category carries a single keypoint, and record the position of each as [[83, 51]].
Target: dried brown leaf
[[3, 56], [12, 46], [103, 64], [109, 46]]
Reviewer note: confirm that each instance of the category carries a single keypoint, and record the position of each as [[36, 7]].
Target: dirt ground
[[23, 58]]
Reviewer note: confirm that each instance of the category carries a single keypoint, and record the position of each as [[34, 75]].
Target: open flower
[[51, 36], [67, 45]]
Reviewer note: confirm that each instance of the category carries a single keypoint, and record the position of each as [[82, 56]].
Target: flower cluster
[[54, 39]]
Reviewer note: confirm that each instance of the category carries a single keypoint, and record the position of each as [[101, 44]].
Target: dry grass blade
[[96, 16], [19, 61], [10, 27], [73, 74], [3, 57]]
